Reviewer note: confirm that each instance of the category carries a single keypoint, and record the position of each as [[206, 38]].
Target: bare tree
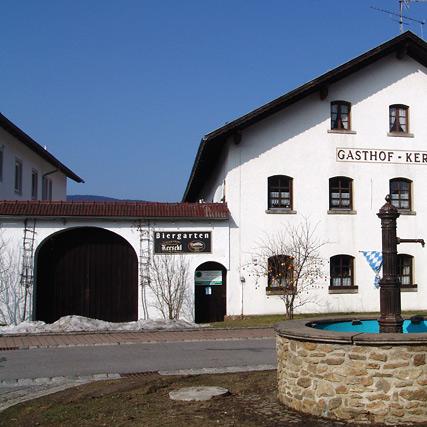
[[169, 284], [291, 261], [14, 298]]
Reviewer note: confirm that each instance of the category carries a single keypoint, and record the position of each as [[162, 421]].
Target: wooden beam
[[237, 137], [402, 51], [323, 92]]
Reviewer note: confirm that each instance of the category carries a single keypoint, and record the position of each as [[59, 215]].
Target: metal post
[[390, 319]]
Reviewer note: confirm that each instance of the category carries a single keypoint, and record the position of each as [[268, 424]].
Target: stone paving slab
[[15, 342], [198, 393]]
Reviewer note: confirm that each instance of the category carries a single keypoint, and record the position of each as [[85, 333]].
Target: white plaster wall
[[12, 149], [12, 230], [295, 142]]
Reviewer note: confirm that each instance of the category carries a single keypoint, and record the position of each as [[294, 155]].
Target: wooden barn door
[[89, 272], [210, 294]]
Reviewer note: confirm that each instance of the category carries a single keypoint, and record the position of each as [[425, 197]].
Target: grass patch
[[268, 321]]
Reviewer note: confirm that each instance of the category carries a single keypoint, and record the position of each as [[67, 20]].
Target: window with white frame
[[398, 118], [341, 271], [340, 193], [400, 193], [280, 192], [34, 184], [405, 270], [340, 115], [18, 176], [280, 272], [46, 188], [1, 162]]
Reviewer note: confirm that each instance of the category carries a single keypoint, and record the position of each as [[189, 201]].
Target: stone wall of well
[[384, 384]]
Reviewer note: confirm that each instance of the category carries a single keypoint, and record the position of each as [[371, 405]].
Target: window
[[46, 188], [400, 193], [1, 163], [279, 192], [280, 271], [340, 115], [18, 176], [398, 119], [341, 271], [404, 270], [34, 184], [340, 193]]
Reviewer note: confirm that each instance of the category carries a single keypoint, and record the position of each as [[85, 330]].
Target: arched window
[[340, 193], [400, 193], [280, 271], [340, 115], [280, 192], [404, 270], [398, 118], [341, 270]]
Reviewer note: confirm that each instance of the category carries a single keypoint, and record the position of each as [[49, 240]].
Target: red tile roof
[[114, 209]]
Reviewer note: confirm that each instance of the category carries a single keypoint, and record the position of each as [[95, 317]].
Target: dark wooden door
[[89, 272], [211, 304]]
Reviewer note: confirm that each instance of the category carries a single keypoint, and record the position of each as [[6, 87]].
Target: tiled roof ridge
[[105, 202], [116, 209]]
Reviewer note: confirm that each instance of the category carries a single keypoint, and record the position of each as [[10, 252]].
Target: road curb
[[227, 370], [114, 343], [27, 382]]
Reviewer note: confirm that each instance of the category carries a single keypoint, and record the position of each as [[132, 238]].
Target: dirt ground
[[143, 400]]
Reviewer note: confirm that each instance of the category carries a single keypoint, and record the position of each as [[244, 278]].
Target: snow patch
[[85, 324]]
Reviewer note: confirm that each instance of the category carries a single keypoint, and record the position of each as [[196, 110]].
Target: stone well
[[358, 377]]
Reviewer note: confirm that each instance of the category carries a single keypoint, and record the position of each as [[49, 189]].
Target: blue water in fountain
[[370, 326]]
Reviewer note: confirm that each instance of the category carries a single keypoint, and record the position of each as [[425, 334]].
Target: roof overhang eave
[[409, 42]]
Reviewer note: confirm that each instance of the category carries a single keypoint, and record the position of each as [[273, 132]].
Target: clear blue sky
[[122, 91]]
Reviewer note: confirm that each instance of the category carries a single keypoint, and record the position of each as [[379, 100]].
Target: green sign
[[208, 278]]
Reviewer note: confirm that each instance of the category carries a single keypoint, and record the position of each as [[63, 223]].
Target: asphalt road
[[132, 358]]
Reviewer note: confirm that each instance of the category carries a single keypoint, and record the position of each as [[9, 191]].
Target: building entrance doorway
[[210, 282], [86, 271]]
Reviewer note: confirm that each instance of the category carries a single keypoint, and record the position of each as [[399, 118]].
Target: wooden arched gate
[[86, 271]]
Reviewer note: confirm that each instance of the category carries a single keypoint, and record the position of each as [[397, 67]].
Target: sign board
[[375, 155], [180, 242], [208, 278]]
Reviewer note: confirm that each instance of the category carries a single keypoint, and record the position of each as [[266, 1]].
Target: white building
[[95, 258], [330, 151], [27, 170]]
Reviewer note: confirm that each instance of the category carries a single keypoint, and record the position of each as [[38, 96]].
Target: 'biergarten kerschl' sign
[[180, 242]]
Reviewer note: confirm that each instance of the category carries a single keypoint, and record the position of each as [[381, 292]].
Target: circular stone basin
[[197, 393], [354, 375], [369, 326]]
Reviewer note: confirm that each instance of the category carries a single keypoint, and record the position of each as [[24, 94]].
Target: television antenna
[[403, 19]]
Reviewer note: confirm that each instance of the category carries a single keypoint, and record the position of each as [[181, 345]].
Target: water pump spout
[[399, 240]]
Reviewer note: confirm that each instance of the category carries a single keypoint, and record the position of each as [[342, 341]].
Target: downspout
[[242, 282], [47, 174]]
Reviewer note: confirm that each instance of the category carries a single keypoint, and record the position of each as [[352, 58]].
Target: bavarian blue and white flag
[[375, 261]]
